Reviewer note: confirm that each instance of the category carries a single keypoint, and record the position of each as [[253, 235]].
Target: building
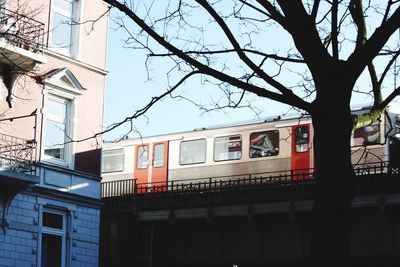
[[52, 78]]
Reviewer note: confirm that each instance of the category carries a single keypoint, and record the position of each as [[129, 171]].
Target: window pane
[[62, 30], [64, 5], [143, 157], [158, 155], [51, 250], [368, 135], [301, 136], [52, 220], [113, 160], [264, 144], [227, 148], [56, 128], [55, 139], [192, 152], [56, 108]]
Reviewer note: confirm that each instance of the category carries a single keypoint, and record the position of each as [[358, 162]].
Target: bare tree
[[334, 46]]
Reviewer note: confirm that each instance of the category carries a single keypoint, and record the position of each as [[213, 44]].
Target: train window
[[264, 144], [158, 160], [301, 138], [143, 157], [192, 152], [227, 148], [367, 135], [113, 160]]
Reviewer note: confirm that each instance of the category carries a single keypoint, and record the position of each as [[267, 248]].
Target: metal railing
[[17, 154], [21, 31], [291, 185], [119, 194], [220, 191]]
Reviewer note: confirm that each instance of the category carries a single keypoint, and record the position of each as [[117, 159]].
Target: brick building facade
[[52, 78]]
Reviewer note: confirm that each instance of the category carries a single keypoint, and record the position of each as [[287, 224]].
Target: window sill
[[75, 61], [55, 162]]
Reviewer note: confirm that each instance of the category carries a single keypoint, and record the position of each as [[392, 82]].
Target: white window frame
[[184, 161], [69, 159], [73, 48], [157, 163], [216, 159], [56, 232], [144, 163], [69, 92], [68, 146], [111, 153]]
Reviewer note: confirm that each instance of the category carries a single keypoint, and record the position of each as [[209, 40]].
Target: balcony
[[17, 156], [21, 40], [17, 170], [17, 162]]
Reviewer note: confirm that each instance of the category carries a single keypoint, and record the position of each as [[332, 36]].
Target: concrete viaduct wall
[[278, 239]]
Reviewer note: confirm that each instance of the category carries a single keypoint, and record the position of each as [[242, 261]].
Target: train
[[272, 145]]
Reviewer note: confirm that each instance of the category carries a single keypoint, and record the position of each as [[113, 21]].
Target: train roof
[[277, 121], [271, 121]]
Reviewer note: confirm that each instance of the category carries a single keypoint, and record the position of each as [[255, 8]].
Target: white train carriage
[[233, 151], [241, 150]]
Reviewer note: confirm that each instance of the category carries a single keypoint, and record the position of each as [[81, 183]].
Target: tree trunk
[[335, 184]]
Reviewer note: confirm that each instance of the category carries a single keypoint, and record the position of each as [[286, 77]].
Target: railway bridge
[[246, 220]]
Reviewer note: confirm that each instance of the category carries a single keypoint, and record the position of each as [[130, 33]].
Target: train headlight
[[397, 136]]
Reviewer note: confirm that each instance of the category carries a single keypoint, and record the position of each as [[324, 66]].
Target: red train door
[[151, 166], [301, 156]]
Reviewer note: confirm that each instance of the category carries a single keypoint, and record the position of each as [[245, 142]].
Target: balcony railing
[[17, 155], [21, 31]]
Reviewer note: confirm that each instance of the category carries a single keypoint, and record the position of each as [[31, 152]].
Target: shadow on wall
[[89, 161]]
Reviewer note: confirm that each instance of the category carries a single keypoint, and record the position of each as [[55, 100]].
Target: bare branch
[[364, 54], [302, 28], [357, 13], [376, 87], [240, 52], [92, 22], [334, 29], [141, 111], [274, 13], [314, 11], [388, 66], [289, 58], [289, 98], [256, 9], [390, 98], [387, 10]]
